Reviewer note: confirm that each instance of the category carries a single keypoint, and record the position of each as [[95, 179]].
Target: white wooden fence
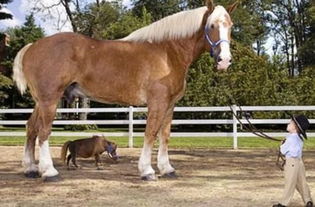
[[131, 121]]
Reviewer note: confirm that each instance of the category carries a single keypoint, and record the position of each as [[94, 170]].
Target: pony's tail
[[18, 75], [64, 150]]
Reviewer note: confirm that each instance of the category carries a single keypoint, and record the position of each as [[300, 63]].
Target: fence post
[[234, 127], [130, 140]]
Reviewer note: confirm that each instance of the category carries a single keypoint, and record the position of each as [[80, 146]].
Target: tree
[[306, 51], [59, 12], [28, 33], [5, 82], [4, 15], [191, 4], [126, 24], [289, 26], [96, 17], [157, 8], [251, 80], [5, 85]]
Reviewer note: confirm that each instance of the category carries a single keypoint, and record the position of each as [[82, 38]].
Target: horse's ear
[[210, 5], [230, 9]]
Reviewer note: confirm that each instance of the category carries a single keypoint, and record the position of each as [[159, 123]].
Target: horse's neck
[[188, 49]]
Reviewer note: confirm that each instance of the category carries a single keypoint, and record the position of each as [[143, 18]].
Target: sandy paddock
[[207, 177]]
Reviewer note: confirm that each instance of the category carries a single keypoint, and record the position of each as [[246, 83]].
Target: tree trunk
[[292, 56], [84, 103], [65, 3]]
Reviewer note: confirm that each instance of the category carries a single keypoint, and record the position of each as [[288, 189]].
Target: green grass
[[175, 142]]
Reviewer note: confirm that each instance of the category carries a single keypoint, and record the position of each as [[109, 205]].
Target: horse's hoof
[[149, 177], [171, 175], [32, 174], [55, 178]]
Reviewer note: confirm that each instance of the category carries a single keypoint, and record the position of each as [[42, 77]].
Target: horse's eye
[[212, 26]]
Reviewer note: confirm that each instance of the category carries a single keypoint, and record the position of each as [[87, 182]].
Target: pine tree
[[20, 36], [307, 51], [4, 15], [157, 8]]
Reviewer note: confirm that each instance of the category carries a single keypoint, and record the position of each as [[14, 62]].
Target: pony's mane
[[180, 25]]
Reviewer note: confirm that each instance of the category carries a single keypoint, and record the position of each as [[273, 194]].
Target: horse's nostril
[[230, 60], [219, 59]]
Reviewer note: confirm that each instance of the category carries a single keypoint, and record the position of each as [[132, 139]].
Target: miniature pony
[[88, 147]]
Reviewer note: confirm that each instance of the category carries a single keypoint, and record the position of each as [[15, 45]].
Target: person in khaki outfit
[[294, 170]]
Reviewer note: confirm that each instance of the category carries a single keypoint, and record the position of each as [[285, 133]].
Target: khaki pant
[[294, 175]]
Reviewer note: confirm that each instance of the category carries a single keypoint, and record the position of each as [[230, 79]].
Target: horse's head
[[111, 148], [218, 33]]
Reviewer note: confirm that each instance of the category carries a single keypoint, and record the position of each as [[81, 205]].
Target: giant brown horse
[[148, 67]]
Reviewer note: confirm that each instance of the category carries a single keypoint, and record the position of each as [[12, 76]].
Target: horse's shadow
[[214, 165]]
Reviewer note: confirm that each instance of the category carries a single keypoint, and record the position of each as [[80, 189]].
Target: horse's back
[[58, 47], [102, 69]]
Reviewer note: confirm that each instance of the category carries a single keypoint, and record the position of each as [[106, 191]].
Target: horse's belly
[[125, 98], [116, 94]]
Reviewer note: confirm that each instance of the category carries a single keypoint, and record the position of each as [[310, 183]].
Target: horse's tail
[[64, 150], [18, 75]]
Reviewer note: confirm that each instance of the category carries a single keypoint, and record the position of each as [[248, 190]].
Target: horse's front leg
[[164, 165], [97, 161], [156, 113]]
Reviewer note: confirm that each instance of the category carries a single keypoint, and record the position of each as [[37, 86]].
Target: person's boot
[[278, 205], [309, 204]]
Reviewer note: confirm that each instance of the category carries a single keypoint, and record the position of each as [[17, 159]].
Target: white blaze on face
[[225, 54], [218, 18]]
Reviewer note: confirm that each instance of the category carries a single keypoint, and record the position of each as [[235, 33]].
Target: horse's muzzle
[[223, 65]]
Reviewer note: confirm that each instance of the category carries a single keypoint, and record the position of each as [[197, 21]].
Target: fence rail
[[131, 121]]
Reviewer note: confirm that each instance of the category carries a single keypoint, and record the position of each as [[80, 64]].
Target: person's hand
[[283, 141]]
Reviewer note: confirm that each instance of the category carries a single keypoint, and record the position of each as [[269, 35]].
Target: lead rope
[[280, 161]]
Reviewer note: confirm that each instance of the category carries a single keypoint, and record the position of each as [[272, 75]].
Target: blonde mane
[[179, 25]]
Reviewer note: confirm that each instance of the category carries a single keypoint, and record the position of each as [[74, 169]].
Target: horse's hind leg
[[47, 111], [73, 154], [74, 161], [68, 160], [33, 124]]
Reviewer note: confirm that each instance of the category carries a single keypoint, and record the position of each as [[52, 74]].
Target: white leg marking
[[46, 167], [144, 164], [163, 159], [28, 161]]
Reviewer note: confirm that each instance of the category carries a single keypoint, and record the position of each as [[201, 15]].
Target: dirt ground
[[207, 177]]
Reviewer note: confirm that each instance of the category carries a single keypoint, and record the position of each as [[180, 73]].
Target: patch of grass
[[175, 142]]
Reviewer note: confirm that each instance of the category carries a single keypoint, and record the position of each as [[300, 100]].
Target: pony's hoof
[[149, 177], [55, 178], [32, 174], [171, 175]]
